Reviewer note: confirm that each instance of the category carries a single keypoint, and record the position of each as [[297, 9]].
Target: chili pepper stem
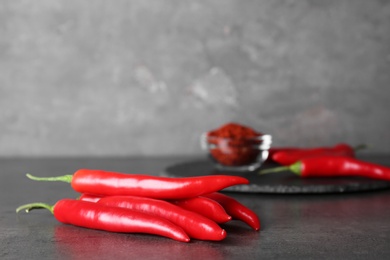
[[295, 168], [272, 170], [64, 178], [360, 147], [36, 205]]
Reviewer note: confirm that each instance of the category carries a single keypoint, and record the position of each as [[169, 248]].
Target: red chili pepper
[[274, 150], [90, 197], [335, 166], [290, 156], [194, 224], [96, 216], [206, 207], [114, 183], [237, 210]]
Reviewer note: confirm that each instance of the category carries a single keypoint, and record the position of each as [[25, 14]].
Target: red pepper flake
[[234, 131], [234, 144]]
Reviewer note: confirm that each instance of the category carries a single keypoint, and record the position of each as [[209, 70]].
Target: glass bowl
[[237, 153]]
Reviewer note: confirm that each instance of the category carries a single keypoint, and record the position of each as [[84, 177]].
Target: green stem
[[276, 169], [295, 168], [360, 147], [64, 178], [36, 205]]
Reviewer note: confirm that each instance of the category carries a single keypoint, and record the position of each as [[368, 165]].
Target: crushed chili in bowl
[[236, 147]]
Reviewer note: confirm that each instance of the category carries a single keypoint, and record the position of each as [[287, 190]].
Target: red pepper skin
[[107, 183], [336, 166], [274, 150], [90, 197], [236, 209], [206, 207], [112, 183], [291, 156], [97, 216], [194, 224]]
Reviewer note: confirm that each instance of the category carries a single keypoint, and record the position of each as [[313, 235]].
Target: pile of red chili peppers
[[336, 161], [178, 208]]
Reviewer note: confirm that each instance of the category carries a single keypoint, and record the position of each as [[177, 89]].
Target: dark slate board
[[282, 182]]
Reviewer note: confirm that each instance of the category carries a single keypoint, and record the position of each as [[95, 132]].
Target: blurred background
[[141, 77]]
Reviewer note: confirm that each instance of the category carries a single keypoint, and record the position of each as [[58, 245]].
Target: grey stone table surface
[[353, 225]]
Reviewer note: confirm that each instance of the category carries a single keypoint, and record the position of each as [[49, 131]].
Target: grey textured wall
[[140, 77]]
